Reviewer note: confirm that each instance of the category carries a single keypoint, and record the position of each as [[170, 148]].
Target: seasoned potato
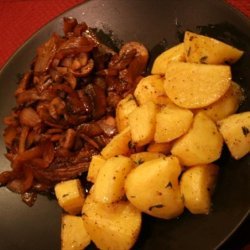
[[202, 144], [191, 85], [73, 233], [151, 88], [197, 185], [153, 188], [139, 158], [119, 145], [235, 130], [174, 54], [96, 163], [203, 49], [70, 196], [227, 104], [123, 109], [109, 185], [171, 123], [111, 226], [142, 123], [163, 148]]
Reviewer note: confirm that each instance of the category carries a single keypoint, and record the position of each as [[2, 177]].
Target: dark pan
[[158, 24]]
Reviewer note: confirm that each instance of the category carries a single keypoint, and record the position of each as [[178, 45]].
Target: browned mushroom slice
[[84, 70], [56, 107], [46, 53], [98, 97], [69, 139], [74, 46], [139, 62], [28, 96], [29, 117]]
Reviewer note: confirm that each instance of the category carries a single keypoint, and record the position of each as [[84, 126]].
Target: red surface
[[19, 19]]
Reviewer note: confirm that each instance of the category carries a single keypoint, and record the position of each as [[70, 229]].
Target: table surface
[[19, 19]]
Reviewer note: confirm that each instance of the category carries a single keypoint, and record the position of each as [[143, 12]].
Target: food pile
[[147, 144], [176, 121], [65, 110]]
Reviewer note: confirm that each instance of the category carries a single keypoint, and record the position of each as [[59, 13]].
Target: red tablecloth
[[19, 19]]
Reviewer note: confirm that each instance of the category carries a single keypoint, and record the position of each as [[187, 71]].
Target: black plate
[[158, 24]]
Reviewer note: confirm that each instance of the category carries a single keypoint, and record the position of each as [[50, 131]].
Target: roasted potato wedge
[[119, 145], [204, 49], [96, 163], [153, 188], [142, 123], [70, 196], [73, 233], [111, 226], [109, 185], [123, 109], [171, 123], [197, 186], [227, 104], [151, 88], [202, 144], [173, 54], [191, 85], [235, 130]]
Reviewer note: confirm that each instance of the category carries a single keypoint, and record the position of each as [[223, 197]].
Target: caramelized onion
[[65, 108]]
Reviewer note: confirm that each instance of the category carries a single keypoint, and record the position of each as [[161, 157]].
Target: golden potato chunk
[[202, 144], [191, 85], [123, 109], [112, 226], [171, 123], [204, 49], [142, 123], [153, 188], [70, 196], [174, 54], [227, 104], [96, 163], [151, 88], [119, 145], [109, 185], [73, 233], [197, 186], [235, 130]]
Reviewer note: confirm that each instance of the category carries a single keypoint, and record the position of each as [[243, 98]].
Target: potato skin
[[197, 186], [153, 188]]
